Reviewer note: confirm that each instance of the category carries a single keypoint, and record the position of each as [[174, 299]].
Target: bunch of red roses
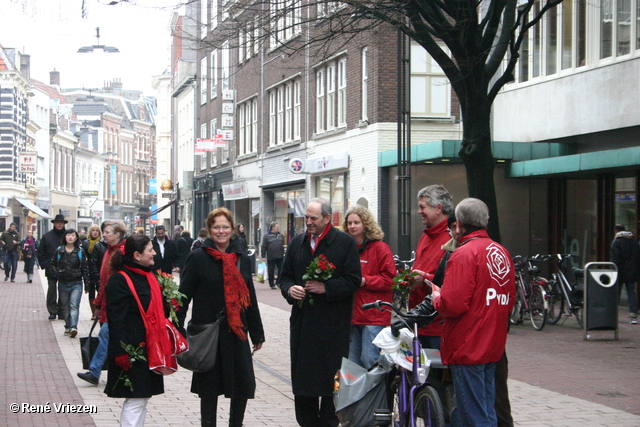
[[403, 283], [171, 295], [320, 269]]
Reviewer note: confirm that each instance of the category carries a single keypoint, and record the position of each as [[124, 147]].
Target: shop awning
[[33, 208], [160, 209]]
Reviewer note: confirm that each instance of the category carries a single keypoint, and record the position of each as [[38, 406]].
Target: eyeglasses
[[221, 227]]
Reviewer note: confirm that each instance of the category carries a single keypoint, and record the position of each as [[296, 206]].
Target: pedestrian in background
[[183, 246], [624, 254], [70, 265], [166, 251], [202, 235], [378, 271], [242, 238], [320, 330], [94, 251], [10, 241], [217, 278], [272, 250], [48, 245], [127, 327], [29, 246]]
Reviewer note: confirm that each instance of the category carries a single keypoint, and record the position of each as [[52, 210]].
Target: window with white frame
[[256, 35], [203, 157], [214, 14], [331, 96], [430, 89], [247, 132], [342, 92], [225, 66], [214, 132], [320, 101], [284, 113], [364, 99], [327, 7], [214, 73], [285, 16], [203, 80], [203, 18]]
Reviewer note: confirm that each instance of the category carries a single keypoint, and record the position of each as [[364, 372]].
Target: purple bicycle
[[414, 402]]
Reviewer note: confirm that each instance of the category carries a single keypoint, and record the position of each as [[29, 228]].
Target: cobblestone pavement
[[556, 378]]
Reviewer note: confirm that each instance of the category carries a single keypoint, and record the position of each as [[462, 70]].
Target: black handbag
[[203, 346], [88, 346]]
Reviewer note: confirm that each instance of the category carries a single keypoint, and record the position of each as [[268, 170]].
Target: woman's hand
[[296, 292], [257, 347]]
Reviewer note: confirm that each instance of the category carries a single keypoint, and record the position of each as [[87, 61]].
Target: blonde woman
[[378, 271], [92, 251]]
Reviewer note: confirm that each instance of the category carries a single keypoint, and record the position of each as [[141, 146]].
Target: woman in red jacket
[[378, 271]]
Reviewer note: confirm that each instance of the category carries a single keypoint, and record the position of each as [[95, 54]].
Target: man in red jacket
[[434, 206], [475, 300]]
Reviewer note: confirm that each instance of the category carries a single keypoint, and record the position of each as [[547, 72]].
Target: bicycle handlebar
[[380, 304]]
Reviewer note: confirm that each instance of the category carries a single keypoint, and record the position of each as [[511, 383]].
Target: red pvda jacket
[[477, 296], [378, 269]]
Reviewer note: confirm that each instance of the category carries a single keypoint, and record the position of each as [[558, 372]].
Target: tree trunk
[[478, 159]]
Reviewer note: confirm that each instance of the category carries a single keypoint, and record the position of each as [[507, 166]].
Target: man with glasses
[[166, 251]]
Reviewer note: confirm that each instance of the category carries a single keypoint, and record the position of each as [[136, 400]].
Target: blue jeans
[[70, 296], [475, 390], [10, 264], [361, 349], [97, 361]]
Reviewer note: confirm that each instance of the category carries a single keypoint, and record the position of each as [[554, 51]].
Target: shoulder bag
[[203, 346]]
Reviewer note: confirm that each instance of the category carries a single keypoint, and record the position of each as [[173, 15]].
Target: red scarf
[[236, 293], [155, 311]]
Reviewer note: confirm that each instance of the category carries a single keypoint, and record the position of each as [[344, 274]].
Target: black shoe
[[52, 317], [273, 287], [88, 377], [6, 278], [13, 281]]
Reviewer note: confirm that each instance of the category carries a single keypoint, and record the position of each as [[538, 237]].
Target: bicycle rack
[[600, 308]]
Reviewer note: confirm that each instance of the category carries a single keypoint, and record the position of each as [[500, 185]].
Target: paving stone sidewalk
[[40, 366]]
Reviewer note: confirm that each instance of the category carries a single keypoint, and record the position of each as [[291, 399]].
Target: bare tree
[[483, 37]]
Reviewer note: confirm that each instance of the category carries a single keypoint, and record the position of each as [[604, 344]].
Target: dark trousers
[[503, 407], [271, 268], [53, 303], [308, 414], [208, 411], [10, 264]]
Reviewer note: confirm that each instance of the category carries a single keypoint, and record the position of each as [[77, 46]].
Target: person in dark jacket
[[624, 254], [166, 251], [10, 241], [272, 250], [319, 331], [126, 326], [94, 251], [48, 245], [202, 235], [29, 246], [378, 271], [217, 278], [70, 265], [183, 246]]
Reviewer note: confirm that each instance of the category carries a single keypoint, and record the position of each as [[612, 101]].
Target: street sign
[[28, 162]]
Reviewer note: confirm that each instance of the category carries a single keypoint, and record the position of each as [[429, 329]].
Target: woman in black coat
[[217, 277], [129, 376]]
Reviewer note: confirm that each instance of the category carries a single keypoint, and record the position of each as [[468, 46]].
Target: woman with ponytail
[[217, 278], [129, 375]]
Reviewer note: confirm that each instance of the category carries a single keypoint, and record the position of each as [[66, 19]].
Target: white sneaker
[[633, 321]]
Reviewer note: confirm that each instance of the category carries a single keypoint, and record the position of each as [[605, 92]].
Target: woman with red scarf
[[217, 277], [129, 375]]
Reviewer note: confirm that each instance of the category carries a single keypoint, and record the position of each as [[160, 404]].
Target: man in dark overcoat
[[166, 251], [320, 314]]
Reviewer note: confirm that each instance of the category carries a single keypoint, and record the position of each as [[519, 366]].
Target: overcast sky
[[51, 31]]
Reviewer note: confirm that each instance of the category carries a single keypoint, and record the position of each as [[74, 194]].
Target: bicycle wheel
[[537, 311], [515, 317], [427, 408], [556, 302], [394, 402], [578, 313]]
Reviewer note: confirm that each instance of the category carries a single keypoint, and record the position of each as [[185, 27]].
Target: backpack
[[59, 251]]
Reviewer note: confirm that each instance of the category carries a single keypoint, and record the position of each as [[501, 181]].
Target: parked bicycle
[[415, 402], [564, 297], [531, 297]]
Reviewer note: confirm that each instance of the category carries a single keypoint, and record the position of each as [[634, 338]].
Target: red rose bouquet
[[403, 283], [171, 294], [320, 269]]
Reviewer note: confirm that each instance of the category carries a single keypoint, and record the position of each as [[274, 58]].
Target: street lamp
[[106, 49]]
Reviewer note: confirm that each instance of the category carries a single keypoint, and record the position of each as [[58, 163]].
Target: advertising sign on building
[[153, 186], [28, 162], [114, 179], [329, 162], [204, 145]]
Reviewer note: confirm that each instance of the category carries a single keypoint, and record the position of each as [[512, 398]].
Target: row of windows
[[577, 33]]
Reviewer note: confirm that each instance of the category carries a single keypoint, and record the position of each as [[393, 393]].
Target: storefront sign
[[28, 161], [296, 165], [328, 163], [241, 190]]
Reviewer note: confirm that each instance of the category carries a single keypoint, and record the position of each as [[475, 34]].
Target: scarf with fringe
[[236, 293]]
